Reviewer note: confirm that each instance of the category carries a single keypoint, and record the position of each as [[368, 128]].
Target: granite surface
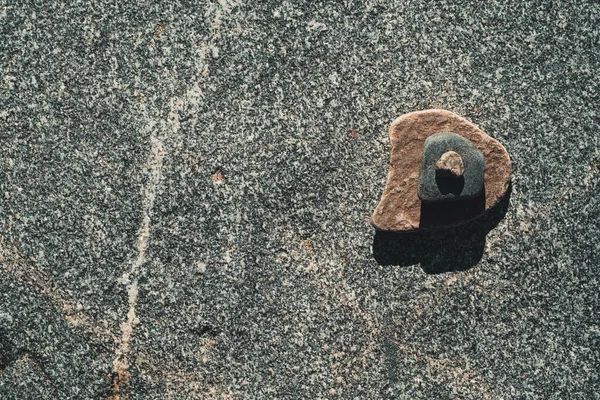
[[186, 190]]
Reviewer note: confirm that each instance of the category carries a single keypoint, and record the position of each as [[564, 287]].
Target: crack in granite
[[153, 168], [154, 164]]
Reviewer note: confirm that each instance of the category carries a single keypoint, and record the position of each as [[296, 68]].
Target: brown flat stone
[[400, 208]]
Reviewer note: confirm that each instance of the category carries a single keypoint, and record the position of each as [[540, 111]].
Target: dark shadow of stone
[[450, 185], [453, 249], [449, 213]]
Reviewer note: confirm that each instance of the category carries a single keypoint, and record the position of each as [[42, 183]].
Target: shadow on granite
[[456, 249]]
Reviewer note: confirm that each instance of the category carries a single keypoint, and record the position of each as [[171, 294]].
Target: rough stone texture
[[450, 165], [400, 207], [435, 187], [115, 117]]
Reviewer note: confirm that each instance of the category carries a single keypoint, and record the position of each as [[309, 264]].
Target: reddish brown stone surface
[[400, 208]]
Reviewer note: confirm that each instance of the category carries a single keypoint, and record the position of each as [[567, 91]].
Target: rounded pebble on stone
[[450, 165]]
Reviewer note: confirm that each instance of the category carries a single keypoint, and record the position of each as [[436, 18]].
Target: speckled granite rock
[[121, 241]]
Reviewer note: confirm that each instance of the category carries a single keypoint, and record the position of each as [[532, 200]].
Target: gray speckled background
[[184, 214]]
